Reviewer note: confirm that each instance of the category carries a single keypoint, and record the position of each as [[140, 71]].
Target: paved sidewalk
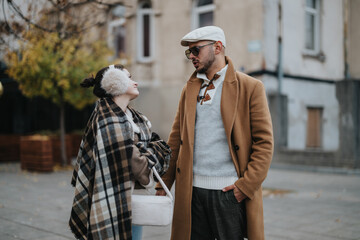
[[297, 205], [320, 206]]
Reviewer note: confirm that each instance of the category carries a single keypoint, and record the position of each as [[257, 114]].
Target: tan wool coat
[[248, 127]]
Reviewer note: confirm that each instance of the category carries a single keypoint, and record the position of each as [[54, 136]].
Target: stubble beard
[[208, 63]]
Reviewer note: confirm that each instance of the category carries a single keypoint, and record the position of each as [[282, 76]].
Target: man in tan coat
[[222, 146]]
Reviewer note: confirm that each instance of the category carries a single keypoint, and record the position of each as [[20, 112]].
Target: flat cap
[[211, 33]]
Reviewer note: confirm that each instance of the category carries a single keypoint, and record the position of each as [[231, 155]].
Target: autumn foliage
[[57, 51], [48, 66]]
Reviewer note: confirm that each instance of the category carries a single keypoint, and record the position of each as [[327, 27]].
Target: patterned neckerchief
[[208, 87]]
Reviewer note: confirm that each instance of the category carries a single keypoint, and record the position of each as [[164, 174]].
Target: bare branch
[[117, 3], [21, 15], [97, 24], [2, 41], [7, 26], [52, 3], [62, 18], [82, 3]]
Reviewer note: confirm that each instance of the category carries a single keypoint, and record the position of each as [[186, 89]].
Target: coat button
[[178, 170], [237, 147], [181, 142]]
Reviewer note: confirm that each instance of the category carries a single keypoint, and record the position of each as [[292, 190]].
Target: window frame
[[111, 34], [316, 32], [140, 13], [196, 11]]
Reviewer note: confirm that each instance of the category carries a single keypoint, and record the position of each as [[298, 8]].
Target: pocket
[[229, 195], [233, 197]]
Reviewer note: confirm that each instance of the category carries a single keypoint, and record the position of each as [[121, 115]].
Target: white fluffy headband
[[115, 82]]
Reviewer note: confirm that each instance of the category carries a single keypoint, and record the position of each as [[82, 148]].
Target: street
[[298, 205]]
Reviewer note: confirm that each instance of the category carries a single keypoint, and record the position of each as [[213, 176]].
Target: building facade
[[306, 52], [295, 47]]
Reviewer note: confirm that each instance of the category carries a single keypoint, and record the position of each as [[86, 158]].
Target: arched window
[[203, 13], [145, 31]]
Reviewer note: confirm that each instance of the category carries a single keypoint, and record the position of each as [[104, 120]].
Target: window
[[312, 26], [145, 31], [314, 127], [203, 13], [117, 37], [119, 40]]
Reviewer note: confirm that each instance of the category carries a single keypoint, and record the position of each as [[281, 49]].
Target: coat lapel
[[192, 91], [229, 99]]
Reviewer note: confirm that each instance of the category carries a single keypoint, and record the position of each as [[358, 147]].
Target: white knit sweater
[[213, 167]]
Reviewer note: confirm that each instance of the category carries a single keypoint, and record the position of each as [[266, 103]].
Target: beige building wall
[[242, 22], [161, 80]]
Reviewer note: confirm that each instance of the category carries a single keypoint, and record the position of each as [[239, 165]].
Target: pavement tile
[[5, 236], [346, 232], [52, 237], [319, 206], [41, 227], [20, 231]]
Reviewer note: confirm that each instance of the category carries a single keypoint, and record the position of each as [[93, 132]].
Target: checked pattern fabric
[[102, 176]]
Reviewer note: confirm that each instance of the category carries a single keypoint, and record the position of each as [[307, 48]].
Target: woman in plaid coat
[[117, 148]]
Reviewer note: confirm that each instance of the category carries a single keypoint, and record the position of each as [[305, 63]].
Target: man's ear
[[218, 47]]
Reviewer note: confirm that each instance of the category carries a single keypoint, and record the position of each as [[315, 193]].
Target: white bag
[[152, 210]]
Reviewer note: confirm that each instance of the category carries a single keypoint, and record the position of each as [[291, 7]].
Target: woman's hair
[[96, 82]]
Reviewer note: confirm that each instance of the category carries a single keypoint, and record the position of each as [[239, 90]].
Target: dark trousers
[[216, 215]]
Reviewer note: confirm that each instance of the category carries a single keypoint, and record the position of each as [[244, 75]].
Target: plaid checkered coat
[[102, 176]]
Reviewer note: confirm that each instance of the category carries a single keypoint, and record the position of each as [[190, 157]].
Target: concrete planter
[[9, 148], [36, 153]]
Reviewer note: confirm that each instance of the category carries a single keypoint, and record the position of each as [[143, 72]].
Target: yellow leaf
[[64, 84]]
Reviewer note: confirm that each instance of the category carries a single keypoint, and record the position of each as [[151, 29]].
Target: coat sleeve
[[262, 143], [140, 167], [174, 143], [157, 152]]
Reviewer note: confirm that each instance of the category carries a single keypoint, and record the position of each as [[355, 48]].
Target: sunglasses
[[195, 50]]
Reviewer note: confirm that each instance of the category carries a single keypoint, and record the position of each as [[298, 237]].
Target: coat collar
[[192, 91], [229, 100]]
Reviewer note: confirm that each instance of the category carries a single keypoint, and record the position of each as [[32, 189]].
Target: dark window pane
[[146, 35], [310, 31], [146, 5], [120, 36], [206, 19], [204, 2], [311, 3]]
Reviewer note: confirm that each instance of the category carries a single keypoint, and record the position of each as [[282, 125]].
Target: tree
[[55, 52]]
